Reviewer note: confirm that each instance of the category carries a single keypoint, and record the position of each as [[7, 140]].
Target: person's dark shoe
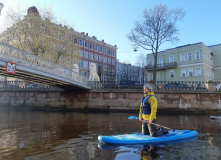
[[165, 132]]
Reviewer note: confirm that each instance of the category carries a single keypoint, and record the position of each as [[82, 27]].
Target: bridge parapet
[[25, 59]]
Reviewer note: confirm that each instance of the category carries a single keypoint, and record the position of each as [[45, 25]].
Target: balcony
[[161, 66]]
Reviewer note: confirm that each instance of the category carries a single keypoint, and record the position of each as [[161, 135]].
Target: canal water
[[73, 136]]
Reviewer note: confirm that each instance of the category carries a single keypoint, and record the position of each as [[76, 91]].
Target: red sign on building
[[10, 67]]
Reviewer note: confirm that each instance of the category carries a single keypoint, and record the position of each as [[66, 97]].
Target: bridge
[[23, 65]]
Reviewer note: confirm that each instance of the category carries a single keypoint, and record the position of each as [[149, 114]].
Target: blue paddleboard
[[146, 139]]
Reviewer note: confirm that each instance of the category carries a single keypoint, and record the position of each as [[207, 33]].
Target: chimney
[[86, 34]]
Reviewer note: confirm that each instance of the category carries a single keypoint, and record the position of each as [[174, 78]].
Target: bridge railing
[[20, 85], [28, 60]]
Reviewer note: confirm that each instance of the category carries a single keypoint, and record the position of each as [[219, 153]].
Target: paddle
[[133, 117]]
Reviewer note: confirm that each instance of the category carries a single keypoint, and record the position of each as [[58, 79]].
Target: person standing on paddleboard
[[148, 110]]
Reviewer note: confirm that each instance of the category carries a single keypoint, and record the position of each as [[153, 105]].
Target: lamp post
[[1, 6]]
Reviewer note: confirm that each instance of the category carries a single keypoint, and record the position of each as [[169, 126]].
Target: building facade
[[63, 45], [192, 62], [128, 72]]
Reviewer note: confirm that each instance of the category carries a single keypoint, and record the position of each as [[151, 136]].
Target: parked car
[[176, 86], [33, 86], [218, 87]]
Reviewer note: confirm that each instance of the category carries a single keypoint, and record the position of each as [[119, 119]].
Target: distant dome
[[33, 11]]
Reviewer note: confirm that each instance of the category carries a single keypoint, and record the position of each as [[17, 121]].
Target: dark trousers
[[150, 129]]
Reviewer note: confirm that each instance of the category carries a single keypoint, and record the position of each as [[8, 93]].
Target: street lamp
[[1, 6]]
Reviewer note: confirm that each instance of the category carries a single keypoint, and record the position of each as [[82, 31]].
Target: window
[[109, 60], [91, 45], [149, 63], [96, 57], [91, 55], [113, 61], [75, 41], [80, 63], [85, 44], [182, 57], [190, 56], [190, 72], [81, 42], [105, 59], [56, 34], [105, 50], [197, 55], [109, 52], [81, 53], [161, 62], [105, 67], [161, 75], [95, 47], [85, 74], [101, 49], [150, 75], [113, 53], [85, 54], [198, 71], [85, 64], [62, 36], [171, 73], [100, 58], [171, 59], [183, 72], [109, 68]]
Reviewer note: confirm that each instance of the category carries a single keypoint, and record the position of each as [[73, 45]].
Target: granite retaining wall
[[112, 100]]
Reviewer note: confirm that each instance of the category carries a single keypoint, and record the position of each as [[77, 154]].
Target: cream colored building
[[192, 62], [78, 47]]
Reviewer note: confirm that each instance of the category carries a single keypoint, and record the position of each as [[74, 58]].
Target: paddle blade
[[132, 117]]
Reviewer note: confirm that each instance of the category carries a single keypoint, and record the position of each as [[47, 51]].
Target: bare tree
[[158, 26], [140, 60]]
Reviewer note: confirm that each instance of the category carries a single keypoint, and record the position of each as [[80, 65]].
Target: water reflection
[[148, 152], [51, 136]]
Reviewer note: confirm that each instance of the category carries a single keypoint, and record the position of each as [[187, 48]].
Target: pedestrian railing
[[28, 60], [20, 85]]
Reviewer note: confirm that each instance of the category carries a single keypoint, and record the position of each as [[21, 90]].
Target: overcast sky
[[112, 20]]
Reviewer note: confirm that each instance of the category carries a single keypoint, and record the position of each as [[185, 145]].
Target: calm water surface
[[54, 136]]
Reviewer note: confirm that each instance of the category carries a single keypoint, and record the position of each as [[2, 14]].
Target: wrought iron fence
[[120, 85], [159, 85], [180, 85]]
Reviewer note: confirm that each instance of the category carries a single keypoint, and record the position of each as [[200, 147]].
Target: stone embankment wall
[[111, 100]]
